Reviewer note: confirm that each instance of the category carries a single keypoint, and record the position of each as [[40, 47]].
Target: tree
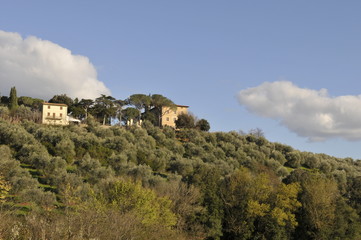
[[150, 117], [130, 113], [354, 191], [208, 179], [63, 98], [185, 121], [144, 203], [203, 125], [4, 100], [118, 104], [140, 101], [257, 132], [257, 207], [13, 100], [293, 159], [319, 204], [159, 102], [105, 108], [85, 104], [33, 103]]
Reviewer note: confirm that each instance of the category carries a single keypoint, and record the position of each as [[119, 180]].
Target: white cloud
[[309, 113], [39, 68]]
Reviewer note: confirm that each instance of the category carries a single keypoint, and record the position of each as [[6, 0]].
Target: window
[[53, 115], [61, 108], [168, 119], [48, 106], [48, 114], [61, 115]]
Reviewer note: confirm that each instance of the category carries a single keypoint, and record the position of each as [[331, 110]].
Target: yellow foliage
[[4, 188], [132, 197], [261, 187], [286, 204], [256, 209]]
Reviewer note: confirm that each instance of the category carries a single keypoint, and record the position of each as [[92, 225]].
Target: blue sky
[[202, 54]]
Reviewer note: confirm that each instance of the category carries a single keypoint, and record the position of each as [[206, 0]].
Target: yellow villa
[[169, 116], [55, 114]]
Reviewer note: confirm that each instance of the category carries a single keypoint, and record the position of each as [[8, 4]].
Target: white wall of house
[[55, 114]]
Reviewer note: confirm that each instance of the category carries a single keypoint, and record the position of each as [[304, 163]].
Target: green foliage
[[221, 185], [34, 104], [65, 149], [157, 103], [208, 180], [140, 101], [324, 213], [185, 121], [13, 99], [62, 98], [293, 159], [105, 108], [91, 170], [256, 208], [4, 112], [4, 100], [80, 108], [150, 118], [130, 113], [203, 125]]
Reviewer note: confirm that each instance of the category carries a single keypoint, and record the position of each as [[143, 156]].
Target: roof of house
[[178, 106], [55, 104]]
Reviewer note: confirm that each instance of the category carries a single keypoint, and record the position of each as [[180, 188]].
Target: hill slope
[[157, 183]]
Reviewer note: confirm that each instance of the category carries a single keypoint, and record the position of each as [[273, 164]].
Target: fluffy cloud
[[309, 113], [40, 68]]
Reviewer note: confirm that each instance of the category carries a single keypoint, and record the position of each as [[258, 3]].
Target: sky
[[290, 68]]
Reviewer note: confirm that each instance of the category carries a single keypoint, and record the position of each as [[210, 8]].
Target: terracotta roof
[[55, 104]]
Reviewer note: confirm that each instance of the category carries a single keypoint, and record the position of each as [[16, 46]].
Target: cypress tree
[[13, 101]]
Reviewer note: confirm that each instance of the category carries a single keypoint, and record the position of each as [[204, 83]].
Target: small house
[[170, 115], [54, 114]]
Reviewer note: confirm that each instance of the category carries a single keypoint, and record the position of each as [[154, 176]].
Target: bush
[[185, 121], [203, 125]]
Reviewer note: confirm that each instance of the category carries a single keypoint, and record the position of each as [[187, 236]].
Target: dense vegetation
[[106, 182], [117, 182]]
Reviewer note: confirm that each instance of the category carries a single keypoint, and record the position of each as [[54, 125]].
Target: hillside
[[115, 182]]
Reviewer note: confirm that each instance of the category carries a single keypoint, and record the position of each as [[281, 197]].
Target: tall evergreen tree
[[13, 101]]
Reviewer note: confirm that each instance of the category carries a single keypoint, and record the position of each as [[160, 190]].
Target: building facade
[[169, 115], [54, 114]]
